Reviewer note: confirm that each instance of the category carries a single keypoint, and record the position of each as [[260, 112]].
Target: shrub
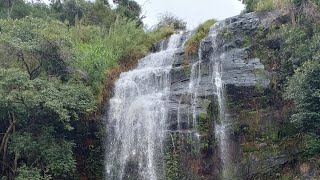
[[312, 145], [123, 43], [298, 44], [304, 89], [25, 172], [160, 33], [192, 45], [265, 5], [168, 19]]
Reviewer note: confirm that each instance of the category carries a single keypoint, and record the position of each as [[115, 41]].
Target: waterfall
[[222, 127], [172, 117], [136, 123], [223, 123], [145, 103], [194, 83]]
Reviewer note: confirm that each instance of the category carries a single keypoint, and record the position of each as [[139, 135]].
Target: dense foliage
[[296, 61], [54, 61], [304, 88], [170, 20], [54, 64]]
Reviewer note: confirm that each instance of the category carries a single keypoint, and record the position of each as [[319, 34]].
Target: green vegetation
[[170, 20], [203, 128], [35, 114], [103, 51], [304, 89], [226, 34], [181, 152], [292, 50], [267, 5], [55, 61], [312, 145], [193, 43], [172, 166]]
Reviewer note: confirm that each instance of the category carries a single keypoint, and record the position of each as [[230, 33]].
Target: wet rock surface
[[268, 165], [239, 69]]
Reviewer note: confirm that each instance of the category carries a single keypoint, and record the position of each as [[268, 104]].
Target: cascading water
[[222, 125], [150, 107], [136, 124]]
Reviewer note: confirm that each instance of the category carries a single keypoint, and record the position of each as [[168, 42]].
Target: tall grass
[[269, 5], [98, 51], [161, 33], [104, 49], [265, 5], [192, 45]]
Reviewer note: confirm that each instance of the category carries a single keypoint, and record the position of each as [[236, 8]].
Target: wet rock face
[[239, 70], [237, 67], [268, 165]]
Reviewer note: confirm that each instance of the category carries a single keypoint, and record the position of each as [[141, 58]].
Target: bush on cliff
[[193, 43], [296, 65], [304, 89], [170, 20]]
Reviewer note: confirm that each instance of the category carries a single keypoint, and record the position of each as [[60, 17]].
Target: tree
[[171, 20], [7, 7], [250, 4], [304, 89], [129, 8], [36, 45], [71, 10], [36, 113], [99, 13], [14, 9]]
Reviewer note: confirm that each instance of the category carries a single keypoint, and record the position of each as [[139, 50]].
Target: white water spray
[[137, 117]]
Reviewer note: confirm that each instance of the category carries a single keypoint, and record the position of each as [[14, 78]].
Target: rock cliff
[[255, 114], [212, 115]]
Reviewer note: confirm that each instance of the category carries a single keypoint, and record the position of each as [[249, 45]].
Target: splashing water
[[136, 122], [222, 125]]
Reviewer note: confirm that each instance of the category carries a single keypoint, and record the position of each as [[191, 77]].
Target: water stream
[[138, 114], [136, 124], [222, 125]]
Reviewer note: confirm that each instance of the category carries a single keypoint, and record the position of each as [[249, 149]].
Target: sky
[[193, 12]]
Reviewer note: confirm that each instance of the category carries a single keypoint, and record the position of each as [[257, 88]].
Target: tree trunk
[[5, 139], [16, 156], [10, 7]]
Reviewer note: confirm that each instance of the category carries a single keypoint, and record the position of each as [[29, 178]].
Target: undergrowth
[[192, 45]]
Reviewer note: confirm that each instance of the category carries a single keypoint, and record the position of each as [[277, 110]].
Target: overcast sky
[[192, 11]]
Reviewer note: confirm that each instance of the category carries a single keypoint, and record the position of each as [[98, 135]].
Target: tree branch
[[22, 59], [5, 137]]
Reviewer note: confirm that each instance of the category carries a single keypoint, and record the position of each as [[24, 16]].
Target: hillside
[[87, 92]]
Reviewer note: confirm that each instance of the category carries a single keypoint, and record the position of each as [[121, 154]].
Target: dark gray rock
[[224, 45], [237, 68], [263, 167]]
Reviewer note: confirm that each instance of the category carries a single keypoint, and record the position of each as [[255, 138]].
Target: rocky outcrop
[[193, 103], [266, 166]]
